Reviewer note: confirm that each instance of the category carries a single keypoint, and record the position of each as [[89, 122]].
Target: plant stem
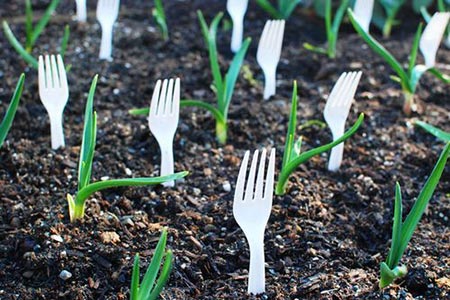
[[221, 131], [409, 105], [387, 28]]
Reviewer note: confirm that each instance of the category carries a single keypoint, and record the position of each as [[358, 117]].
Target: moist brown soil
[[325, 238]]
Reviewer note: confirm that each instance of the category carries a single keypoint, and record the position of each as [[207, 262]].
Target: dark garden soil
[[325, 238]]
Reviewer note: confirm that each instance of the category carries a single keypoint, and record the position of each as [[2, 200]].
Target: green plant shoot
[[332, 29], [409, 78], [160, 17], [439, 133], [85, 188], [148, 289], [33, 33], [403, 231], [5, 125], [283, 10], [292, 156], [223, 86], [384, 14]]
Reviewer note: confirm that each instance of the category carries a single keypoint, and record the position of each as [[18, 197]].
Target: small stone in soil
[[64, 275], [226, 186]]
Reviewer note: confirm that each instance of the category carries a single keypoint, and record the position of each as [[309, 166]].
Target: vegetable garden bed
[[325, 238]]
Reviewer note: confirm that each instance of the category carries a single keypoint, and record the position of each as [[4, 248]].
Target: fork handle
[[270, 82], [238, 31], [81, 10], [256, 273], [336, 157], [106, 44], [56, 131], [167, 163]]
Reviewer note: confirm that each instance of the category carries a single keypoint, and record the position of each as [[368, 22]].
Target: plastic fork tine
[[55, 72], [48, 73], [155, 98], [62, 72], [42, 81], [162, 98], [240, 184], [260, 178], [251, 178], [268, 190], [176, 98], [169, 98], [335, 90]]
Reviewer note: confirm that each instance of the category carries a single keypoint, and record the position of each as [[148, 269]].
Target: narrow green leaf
[[11, 111], [163, 277], [65, 41], [440, 134], [328, 20], [28, 25], [442, 77], [269, 8], [134, 288], [313, 48], [160, 18], [394, 256], [153, 268], [89, 137], [232, 75], [89, 189], [292, 166], [43, 21], [18, 47], [414, 50], [421, 203], [290, 135], [338, 17], [380, 50], [297, 148], [209, 35], [286, 7]]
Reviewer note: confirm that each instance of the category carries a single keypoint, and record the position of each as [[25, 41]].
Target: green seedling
[[292, 156], [33, 33], [223, 86], [149, 289], [11, 111], [409, 78], [283, 10], [403, 231], [384, 14], [85, 188], [160, 17], [331, 27], [439, 133]]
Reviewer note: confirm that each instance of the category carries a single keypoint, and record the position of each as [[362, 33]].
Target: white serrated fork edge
[[336, 112], [163, 121], [252, 211], [363, 11], [237, 9], [107, 13], [269, 53], [81, 10], [432, 37], [54, 94]]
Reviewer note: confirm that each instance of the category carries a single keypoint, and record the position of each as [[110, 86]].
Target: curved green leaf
[[11, 111], [440, 134], [18, 46]]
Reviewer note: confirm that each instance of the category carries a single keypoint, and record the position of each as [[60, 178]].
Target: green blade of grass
[[269, 8], [313, 48], [232, 75], [421, 203], [442, 77], [380, 50], [440, 134], [65, 41], [209, 35], [28, 25], [414, 50], [89, 189], [43, 21], [291, 166], [160, 18], [338, 18], [153, 268], [394, 255], [11, 111], [88, 141], [286, 7], [134, 288], [290, 135], [18, 47], [163, 277]]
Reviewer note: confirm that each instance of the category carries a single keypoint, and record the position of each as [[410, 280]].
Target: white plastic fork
[[107, 13], [336, 112], [163, 121], [363, 11], [54, 94], [81, 10], [252, 212], [237, 10], [432, 36], [269, 52]]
